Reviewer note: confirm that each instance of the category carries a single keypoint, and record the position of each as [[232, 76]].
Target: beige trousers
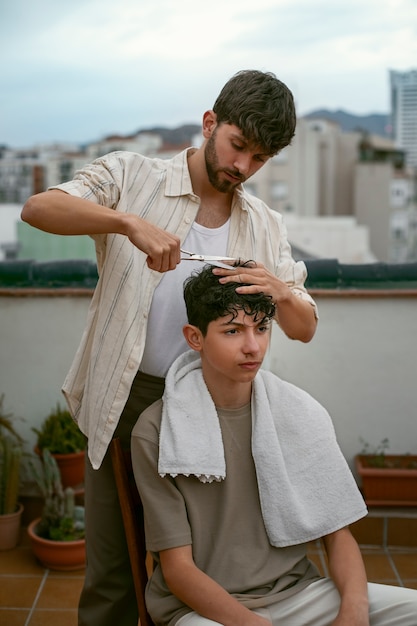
[[318, 604]]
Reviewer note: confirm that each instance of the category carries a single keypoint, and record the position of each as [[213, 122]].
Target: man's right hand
[[161, 247], [60, 213]]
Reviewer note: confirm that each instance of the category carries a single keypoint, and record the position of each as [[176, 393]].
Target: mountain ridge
[[373, 123]]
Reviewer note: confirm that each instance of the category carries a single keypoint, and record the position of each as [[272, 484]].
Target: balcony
[[33, 596], [361, 366]]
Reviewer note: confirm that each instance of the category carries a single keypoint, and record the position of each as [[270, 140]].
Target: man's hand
[[258, 279], [295, 316], [161, 247], [63, 214]]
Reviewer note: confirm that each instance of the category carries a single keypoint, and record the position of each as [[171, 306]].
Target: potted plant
[[387, 479], [57, 537], [11, 447], [59, 433]]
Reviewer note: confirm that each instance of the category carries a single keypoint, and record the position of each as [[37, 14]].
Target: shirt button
[[187, 220]]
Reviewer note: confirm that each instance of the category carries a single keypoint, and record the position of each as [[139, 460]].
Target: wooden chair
[[132, 512]]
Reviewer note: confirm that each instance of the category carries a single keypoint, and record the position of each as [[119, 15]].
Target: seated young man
[[238, 471]]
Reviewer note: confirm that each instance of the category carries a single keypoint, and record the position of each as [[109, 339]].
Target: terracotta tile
[[378, 567], [52, 618], [79, 573], [13, 618], [369, 531], [25, 541], [20, 561], [411, 584], [60, 593], [402, 532], [406, 564], [19, 592]]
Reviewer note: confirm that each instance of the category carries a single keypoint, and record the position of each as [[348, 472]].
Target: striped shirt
[[159, 191]]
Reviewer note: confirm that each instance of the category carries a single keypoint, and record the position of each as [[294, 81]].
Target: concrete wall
[[361, 364]]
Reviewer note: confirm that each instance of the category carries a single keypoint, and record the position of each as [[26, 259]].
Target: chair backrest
[[132, 512]]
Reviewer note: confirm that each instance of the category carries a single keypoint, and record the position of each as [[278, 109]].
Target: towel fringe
[[204, 478]]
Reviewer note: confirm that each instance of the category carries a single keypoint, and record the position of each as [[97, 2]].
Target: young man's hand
[[201, 593], [355, 618], [348, 573]]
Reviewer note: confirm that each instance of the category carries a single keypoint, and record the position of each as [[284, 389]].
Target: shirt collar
[[178, 181]]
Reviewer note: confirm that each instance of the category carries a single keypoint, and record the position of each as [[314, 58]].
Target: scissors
[[212, 260]]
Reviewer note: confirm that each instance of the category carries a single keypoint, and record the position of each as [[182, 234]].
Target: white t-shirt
[[164, 339]]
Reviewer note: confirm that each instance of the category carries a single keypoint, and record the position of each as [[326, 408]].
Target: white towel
[[305, 485]]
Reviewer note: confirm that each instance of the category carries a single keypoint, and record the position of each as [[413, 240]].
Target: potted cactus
[[11, 448], [60, 434], [57, 537]]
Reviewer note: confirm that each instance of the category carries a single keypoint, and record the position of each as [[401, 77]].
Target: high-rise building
[[404, 113]]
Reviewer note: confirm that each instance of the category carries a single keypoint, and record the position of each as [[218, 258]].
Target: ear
[[193, 337], [209, 123]]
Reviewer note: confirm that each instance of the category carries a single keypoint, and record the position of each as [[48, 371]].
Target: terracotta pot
[[395, 485], [71, 466], [10, 529], [57, 555]]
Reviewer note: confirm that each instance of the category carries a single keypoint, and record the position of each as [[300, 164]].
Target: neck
[[230, 395], [212, 202]]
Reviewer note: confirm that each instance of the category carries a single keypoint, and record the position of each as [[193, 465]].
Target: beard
[[214, 172]]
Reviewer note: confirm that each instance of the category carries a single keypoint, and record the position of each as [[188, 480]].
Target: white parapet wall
[[361, 364]]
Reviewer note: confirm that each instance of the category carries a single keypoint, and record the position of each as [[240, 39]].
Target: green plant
[[11, 448], [62, 519], [59, 433], [377, 457], [376, 454]]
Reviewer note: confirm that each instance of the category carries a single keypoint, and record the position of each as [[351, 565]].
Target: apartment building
[[344, 195], [21, 174], [404, 113]]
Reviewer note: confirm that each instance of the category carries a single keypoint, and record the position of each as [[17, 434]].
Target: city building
[[404, 113], [345, 195]]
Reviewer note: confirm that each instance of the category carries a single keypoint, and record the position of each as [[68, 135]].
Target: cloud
[[91, 67]]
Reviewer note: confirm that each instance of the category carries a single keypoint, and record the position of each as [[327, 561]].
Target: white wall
[[361, 365], [38, 338]]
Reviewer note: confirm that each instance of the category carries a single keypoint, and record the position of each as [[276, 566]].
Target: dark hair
[[206, 299], [261, 106]]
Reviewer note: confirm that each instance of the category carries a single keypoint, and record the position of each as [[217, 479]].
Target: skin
[[224, 161], [231, 354]]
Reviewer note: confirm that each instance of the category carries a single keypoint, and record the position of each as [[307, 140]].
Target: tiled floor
[[33, 596], [30, 595]]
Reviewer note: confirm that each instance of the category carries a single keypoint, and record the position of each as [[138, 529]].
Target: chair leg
[[132, 513]]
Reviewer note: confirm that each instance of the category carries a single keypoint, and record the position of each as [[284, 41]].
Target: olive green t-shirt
[[222, 521]]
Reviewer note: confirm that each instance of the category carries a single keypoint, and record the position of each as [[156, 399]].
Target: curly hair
[[261, 106], [206, 299]]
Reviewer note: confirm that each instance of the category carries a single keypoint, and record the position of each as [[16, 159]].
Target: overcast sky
[[80, 70]]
